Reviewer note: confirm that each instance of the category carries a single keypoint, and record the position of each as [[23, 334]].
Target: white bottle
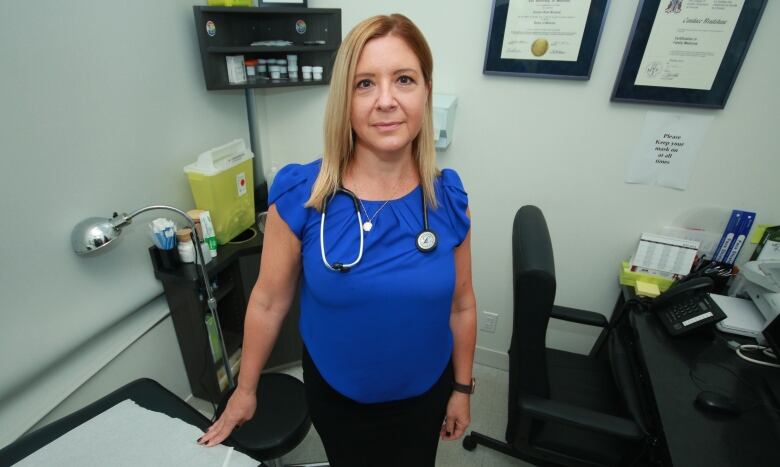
[[186, 250], [282, 68]]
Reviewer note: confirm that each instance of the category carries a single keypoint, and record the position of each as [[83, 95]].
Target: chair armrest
[[578, 316], [554, 411]]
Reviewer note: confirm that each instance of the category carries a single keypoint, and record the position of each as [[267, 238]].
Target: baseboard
[[492, 358]]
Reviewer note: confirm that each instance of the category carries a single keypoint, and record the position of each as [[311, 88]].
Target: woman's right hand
[[240, 408]]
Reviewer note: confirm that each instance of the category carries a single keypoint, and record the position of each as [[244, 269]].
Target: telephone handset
[[681, 291], [687, 306]]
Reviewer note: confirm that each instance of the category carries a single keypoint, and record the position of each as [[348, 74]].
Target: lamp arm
[[121, 220]]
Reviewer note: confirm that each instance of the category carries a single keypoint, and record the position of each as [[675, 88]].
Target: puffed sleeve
[[456, 202], [289, 192]]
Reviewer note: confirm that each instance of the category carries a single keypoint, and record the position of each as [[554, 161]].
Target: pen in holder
[[720, 274]]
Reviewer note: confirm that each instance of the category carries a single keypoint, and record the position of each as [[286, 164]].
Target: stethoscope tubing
[[341, 267]]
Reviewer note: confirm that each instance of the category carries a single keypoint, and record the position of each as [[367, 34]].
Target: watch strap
[[464, 388]]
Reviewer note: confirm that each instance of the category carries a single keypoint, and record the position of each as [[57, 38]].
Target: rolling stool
[[283, 420]]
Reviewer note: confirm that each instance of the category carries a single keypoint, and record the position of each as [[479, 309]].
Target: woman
[[388, 315]]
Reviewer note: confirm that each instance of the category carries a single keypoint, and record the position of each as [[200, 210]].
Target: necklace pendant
[[367, 225]]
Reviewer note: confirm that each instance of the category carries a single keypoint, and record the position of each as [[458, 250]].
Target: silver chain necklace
[[369, 223]]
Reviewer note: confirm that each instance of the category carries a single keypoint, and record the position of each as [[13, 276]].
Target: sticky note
[[646, 289], [758, 232]]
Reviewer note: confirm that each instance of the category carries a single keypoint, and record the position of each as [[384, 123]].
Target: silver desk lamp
[[96, 234]]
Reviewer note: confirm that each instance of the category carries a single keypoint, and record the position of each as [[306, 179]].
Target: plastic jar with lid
[[317, 72], [186, 249], [306, 73], [251, 65], [275, 73], [262, 68], [282, 68]]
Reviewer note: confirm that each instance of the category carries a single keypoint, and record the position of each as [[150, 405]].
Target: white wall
[[563, 146], [102, 104], [154, 355]]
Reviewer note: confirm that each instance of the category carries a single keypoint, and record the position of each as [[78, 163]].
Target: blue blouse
[[381, 331]]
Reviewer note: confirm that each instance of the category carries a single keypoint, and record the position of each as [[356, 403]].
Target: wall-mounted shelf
[[230, 31], [256, 49], [268, 84]]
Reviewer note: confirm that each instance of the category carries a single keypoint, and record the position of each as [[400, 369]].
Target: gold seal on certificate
[[539, 47]]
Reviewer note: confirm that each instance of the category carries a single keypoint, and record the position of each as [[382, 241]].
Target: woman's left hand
[[458, 416]]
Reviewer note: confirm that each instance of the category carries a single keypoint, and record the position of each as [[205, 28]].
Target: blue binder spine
[[727, 237], [741, 236]]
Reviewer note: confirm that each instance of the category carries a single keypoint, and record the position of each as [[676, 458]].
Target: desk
[[691, 437]]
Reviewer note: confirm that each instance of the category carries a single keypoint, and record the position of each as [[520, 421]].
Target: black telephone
[[687, 306]]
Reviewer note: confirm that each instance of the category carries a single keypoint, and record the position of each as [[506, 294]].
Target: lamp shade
[[93, 235]]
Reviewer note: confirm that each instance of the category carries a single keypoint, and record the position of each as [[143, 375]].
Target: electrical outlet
[[489, 322]]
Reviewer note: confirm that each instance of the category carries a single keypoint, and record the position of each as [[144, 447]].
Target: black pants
[[397, 433]]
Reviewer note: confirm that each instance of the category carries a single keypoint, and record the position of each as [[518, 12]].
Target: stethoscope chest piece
[[426, 241]]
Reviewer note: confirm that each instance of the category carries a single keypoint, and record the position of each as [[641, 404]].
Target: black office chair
[[282, 423], [564, 408]]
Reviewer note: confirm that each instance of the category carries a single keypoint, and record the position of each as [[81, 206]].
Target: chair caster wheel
[[469, 443]]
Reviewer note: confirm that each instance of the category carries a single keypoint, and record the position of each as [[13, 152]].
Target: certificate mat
[[687, 43], [544, 30]]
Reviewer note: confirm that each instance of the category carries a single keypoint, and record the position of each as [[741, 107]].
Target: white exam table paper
[[128, 435]]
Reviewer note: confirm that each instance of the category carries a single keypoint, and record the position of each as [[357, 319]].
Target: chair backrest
[[533, 283]]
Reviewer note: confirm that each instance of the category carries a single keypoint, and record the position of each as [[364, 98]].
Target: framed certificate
[[544, 38], [686, 52]]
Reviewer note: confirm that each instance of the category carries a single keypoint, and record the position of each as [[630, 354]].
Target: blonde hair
[[339, 138]]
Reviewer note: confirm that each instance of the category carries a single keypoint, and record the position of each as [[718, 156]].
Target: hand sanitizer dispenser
[[443, 119]]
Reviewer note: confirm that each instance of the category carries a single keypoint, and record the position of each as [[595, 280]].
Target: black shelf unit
[[234, 29], [268, 50], [232, 274]]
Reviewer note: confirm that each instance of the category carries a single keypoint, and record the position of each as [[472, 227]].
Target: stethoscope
[[426, 240]]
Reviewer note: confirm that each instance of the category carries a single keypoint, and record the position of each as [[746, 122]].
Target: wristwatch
[[465, 388]]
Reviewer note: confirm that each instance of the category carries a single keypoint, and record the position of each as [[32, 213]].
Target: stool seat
[[281, 420]]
